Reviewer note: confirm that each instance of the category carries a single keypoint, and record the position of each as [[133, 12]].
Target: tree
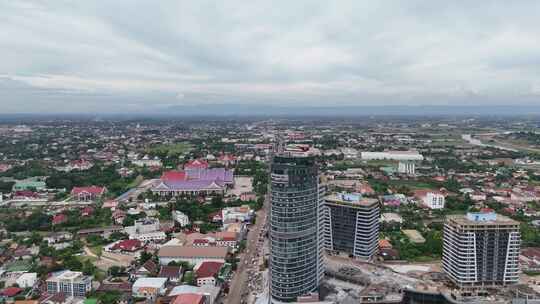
[[242, 245], [145, 256], [116, 270], [189, 278], [72, 263], [88, 268]]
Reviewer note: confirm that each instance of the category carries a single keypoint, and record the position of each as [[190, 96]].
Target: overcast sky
[[133, 56]]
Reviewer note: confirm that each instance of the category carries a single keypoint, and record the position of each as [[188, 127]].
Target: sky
[[144, 56]]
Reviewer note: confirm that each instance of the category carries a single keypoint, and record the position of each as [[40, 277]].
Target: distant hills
[[269, 110], [244, 110]]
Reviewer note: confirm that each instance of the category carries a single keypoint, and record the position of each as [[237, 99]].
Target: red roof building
[[88, 193], [110, 204], [4, 167], [189, 298], [208, 269], [173, 273], [174, 176], [87, 211], [119, 216], [128, 245], [10, 292], [215, 216], [25, 194], [59, 219], [196, 164]]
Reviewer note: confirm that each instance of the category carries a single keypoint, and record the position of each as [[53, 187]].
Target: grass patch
[[96, 249], [425, 259], [135, 182], [170, 150], [414, 185]]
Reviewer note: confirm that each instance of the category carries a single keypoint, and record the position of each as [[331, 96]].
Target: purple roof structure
[[214, 174], [192, 185]]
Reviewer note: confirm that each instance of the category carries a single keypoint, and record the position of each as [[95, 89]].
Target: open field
[[170, 150]]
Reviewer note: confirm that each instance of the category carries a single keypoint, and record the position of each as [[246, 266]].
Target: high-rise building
[[407, 167], [481, 249], [350, 224], [296, 265]]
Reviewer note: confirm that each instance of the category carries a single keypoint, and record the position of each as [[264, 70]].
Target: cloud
[[81, 55], [180, 96]]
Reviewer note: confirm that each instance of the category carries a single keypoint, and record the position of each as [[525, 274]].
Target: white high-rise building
[[407, 167], [481, 250]]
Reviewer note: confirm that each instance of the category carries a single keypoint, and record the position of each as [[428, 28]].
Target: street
[[238, 291]]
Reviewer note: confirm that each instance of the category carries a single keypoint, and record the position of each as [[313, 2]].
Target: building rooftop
[[481, 219], [150, 282], [189, 251], [67, 275], [353, 199]]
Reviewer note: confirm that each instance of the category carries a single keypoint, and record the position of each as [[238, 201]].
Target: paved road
[[238, 289]]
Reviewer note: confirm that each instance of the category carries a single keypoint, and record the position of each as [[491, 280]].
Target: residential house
[[149, 268], [87, 211], [130, 245], [207, 272], [59, 219], [149, 288], [210, 293], [172, 273], [119, 216], [58, 237], [189, 298], [88, 193], [27, 279]]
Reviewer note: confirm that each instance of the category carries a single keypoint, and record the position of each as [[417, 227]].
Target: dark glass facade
[[343, 228], [294, 240]]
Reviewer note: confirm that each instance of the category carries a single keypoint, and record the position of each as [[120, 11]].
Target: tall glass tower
[[296, 266]]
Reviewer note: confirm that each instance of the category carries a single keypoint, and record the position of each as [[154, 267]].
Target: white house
[[149, 288], [27, 279], [180, 218]]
